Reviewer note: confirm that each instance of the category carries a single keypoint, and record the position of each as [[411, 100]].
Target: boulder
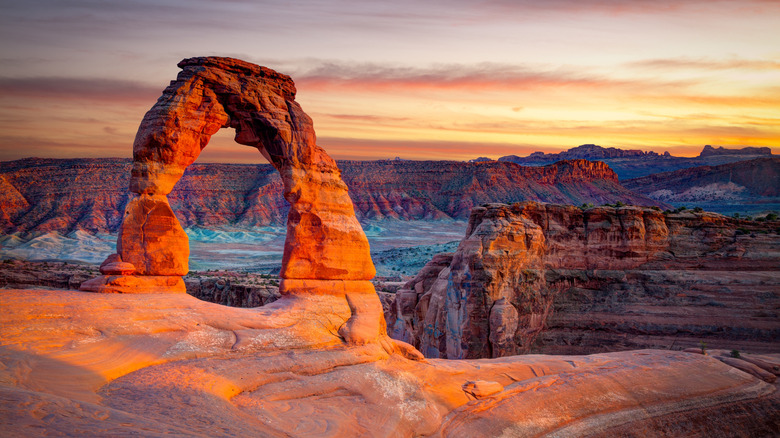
[[117, 268]]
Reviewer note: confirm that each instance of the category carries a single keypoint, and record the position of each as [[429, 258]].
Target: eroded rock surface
[[599, 279], [151, 238], [317, 361], [45, 194], [75, 363]]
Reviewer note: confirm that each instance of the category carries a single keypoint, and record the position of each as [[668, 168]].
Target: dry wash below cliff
[[561, 280]]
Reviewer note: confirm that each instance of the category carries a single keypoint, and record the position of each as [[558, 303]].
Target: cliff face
[[91, 194], [442, 189], [557, 279], [754, 181]]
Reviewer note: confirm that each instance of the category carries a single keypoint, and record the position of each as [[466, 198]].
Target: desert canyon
[[132, 354]]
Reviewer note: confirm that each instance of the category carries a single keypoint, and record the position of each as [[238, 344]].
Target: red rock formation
[[91, 194], [152, 239], [13, 203], [324, 240], [326, 252], [116, 365], [440, 189], [612, 278], [168, 364], [745, 182], [635, 163]]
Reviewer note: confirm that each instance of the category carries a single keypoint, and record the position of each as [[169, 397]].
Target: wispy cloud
[[617, 7], [97, 89], [707, 64], [452, 76], [366, 118]]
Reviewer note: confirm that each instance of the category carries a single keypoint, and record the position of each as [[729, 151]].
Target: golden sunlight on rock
[[140, 360]]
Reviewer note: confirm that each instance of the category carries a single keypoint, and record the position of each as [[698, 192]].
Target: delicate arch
[[324, 239]]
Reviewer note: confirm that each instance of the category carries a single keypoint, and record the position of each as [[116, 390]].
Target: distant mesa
[[634, 163], [754, 184], [595, 152], [585, 151], [709, 151]]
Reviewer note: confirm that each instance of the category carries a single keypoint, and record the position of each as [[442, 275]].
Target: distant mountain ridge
[[39, 195], [634, 163], [588, 152], [709, 151], [749, 183]]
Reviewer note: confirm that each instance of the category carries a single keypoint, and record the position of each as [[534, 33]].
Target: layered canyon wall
[[559, 279], [42, 195]]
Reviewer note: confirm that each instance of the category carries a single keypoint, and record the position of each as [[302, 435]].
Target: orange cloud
[[380, 78], [706, 64]]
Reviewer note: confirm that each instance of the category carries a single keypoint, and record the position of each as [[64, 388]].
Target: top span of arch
[[211, 93], [243, 68]]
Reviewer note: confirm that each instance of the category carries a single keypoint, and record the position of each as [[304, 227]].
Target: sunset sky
[[452, 79]]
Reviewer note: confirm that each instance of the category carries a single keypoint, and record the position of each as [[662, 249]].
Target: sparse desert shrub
[[586, 205], [703, 346], [740, 231], [736, 216], [735, 353], [697, 209], [657, 208], [771, 217]]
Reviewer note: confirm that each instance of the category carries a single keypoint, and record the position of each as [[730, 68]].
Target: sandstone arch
[[324, 239], [326, 252]]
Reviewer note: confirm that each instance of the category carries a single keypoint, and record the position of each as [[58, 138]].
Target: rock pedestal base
[[134, 284], [366, 323], [290, 286]]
